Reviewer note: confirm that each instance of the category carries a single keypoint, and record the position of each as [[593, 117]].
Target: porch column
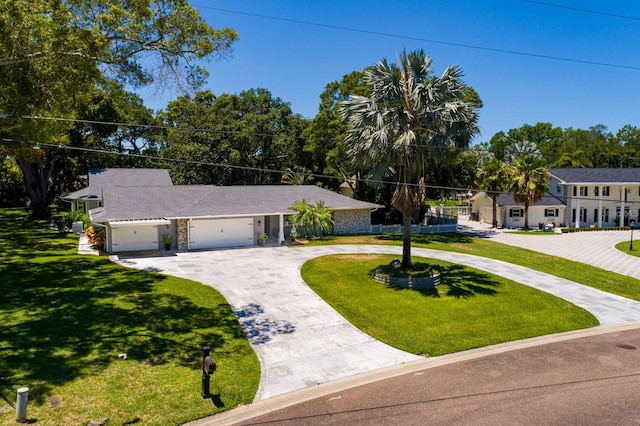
[[280, 228], [578, 209], [623, 193], [600, 206]]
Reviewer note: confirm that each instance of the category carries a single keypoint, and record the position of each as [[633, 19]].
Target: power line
[[578, 9], [262, 170], [550, 155], [445, 43], [40, 145]]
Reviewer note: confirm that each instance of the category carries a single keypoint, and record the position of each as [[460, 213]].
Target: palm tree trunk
[[406, 242], [526, 215], [494, 222]]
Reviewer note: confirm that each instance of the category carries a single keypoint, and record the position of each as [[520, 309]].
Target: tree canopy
[[51, 52]]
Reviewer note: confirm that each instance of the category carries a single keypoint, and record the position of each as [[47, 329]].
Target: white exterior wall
[[483, 206], [590, 202]]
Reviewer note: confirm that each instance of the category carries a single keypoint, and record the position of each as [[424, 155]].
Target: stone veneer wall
[[352, 221], [183, 234]]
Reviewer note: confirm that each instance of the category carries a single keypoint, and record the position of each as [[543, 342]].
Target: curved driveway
[[300, 340]]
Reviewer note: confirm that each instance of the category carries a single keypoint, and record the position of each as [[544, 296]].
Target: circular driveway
[[300, 340]]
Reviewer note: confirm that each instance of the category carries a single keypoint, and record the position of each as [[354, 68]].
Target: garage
[[217, 233], [134, 238]]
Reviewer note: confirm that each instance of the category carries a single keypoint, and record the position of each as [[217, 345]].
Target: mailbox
[[208, 367]]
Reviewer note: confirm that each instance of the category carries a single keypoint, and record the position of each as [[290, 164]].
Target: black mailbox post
[[208, 367]]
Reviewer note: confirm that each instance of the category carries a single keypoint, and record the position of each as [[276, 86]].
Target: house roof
[[100, 178], [186, 201], [593, 175], [507, 199]]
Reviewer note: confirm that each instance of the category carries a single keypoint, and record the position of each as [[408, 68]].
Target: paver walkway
[[301, 340]]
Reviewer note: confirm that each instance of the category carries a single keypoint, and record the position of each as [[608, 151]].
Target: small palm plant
[[316, 218]]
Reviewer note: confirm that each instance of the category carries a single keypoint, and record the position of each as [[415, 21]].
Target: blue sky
[[295, 61]]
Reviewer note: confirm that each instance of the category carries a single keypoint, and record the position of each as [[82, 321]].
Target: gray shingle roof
[[580, 175], [507, 199], [184, 201], [100, 178]]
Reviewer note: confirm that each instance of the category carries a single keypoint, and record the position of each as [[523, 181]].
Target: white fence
[[436, 225]]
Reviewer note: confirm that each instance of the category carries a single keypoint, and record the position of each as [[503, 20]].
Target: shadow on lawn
[[461, 283], [65, 317]]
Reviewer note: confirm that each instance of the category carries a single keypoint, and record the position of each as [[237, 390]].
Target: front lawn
[[470, 309], [66, 318]]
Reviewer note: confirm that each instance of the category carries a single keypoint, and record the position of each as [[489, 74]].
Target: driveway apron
[[300, 340]]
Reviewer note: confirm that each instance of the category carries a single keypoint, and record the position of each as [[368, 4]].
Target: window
[[605, 191], [584, 192], [595, 215], [558, 189], [516, 212], [550, 212], [583, 215], [595, 191], [605, 215]]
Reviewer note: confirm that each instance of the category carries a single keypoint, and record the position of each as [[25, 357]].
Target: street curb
[[259, 408]]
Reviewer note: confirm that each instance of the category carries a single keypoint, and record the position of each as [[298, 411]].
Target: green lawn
[[625, 245], [469, 309], [66, 317], [579, 272]]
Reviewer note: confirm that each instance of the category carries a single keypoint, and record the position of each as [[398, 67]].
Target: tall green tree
[[324, 149], [530, 182], [406, 114], [53, 51], [494, 177], [252, 138]]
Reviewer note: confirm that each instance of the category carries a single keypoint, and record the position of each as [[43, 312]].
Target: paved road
[[593, 380]]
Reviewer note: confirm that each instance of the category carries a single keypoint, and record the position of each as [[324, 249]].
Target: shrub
[[604, 228], [96, 236]]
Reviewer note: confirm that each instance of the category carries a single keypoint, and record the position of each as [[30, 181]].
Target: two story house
[[598, 197]]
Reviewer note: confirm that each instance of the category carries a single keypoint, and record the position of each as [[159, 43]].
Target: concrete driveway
[[300, 340], [593, 248]]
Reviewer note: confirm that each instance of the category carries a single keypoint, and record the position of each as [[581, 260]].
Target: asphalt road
[[587, 381]]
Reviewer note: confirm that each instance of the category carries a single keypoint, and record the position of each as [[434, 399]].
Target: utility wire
[[579, 9], [38, 145], [271, 135], [445, 43]]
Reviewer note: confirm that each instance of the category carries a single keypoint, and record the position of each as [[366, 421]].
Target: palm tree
[[316, 217], [494, 177], [521, 149], [393, 130], [530, 182]]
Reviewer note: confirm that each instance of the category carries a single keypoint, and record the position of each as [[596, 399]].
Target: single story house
[[136, 207], [598, 197], [510, 214]]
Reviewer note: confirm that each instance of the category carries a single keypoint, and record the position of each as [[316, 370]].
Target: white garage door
[[216, 233], [133, 238]]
